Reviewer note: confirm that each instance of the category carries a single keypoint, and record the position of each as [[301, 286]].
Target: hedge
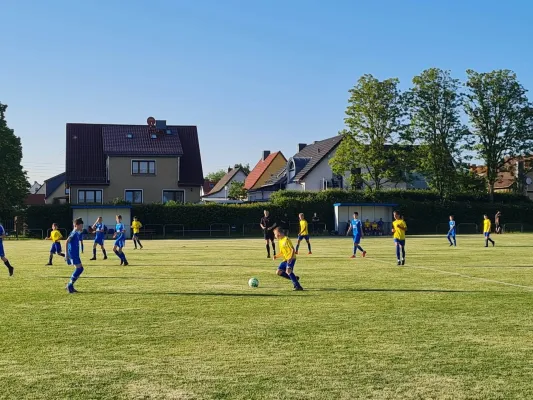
[[423, 209]]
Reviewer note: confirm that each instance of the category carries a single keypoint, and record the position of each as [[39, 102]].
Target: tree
[[435, 104], [13, 180], [216, 176], [244, 167], [501, 119], [375, 119], [237, 191]]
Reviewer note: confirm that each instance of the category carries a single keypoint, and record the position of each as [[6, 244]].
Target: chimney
[[266, 153], [301, 146], [229, 169]]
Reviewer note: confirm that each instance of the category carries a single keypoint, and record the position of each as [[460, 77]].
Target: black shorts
[[269, 235]]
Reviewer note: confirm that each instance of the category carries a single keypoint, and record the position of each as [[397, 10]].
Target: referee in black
[[268, 225]]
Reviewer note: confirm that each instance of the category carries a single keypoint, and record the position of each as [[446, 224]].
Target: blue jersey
[[357, 228], [119, 228], [99, 231], [452, 227], [74, 243], [2, 232]]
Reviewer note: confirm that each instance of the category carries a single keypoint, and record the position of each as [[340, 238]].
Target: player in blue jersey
[[99, 237], [120, 240], [2, 252], [73, 253], [357, 231], [451, 232]]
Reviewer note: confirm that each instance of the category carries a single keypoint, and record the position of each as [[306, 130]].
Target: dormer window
[[129, 135], [153, 136], [292, 169]]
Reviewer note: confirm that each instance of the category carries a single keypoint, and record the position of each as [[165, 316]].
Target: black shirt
[[267, 222]]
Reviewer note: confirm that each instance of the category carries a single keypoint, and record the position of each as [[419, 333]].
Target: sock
[[487, 242], [124, 257], [75, 275], [292, 277], [268, 249], [82, 247], [355, 249], [274, 248], [454, 241], [94, 252], [118, 254], [104, 253], [285, 275], [50, 259], [138, 241], [62, 254], [360, 248], [450, 240], [403, 253], [135, 242], [398, 252], [297, 247], [6, 262], [309, 246]]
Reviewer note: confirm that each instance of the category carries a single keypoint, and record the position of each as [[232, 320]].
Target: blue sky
[[252, 75]]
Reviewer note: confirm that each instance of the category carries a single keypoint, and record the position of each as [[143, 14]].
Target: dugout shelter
[[108, 214], [371, 211]]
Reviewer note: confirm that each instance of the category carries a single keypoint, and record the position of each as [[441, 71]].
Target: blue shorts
[[400, 242], [357, 239], [487, 234], [99, 240], [120, 243], [2, 253], [135, 235], [284, 265], [56, 248], [303, 237], [452, 234], [74, 260]]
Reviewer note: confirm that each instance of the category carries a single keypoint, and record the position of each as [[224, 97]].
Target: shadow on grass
[[400, 290], [199, 294]]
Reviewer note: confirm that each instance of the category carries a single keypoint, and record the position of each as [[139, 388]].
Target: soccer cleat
[[10, 270], [403, 261], [70, 288], [493, 244], [364, 253], [105, 258], [121, 262], [399, 262], [298, 288], [135, 248], [310, 253], [353, 256], [297, 278], [126, 263], [92, 259], [296, 252], [268, 256], [142, 247]]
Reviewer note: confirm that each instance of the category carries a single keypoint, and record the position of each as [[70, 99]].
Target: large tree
[[216, 176], [375, 122], [501, 119], [237, 191], [435, 104], [14, 186], [244, 167]]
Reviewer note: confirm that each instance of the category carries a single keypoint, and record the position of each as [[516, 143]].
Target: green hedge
[[423, 209]]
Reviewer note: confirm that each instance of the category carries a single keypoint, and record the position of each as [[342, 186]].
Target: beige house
[[152, 163], [54, 190]]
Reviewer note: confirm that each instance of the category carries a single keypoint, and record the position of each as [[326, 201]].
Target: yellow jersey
[[56, 236], [486, 225], [304, 228], [286, 248], [367, 224], [399, 227], [136, 226]]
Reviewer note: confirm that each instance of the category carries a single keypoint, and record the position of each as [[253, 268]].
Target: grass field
[[181, 323]]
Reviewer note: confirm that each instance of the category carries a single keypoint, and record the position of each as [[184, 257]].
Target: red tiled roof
[[208, 186], [33, 199], [259, 170], [88, 145]]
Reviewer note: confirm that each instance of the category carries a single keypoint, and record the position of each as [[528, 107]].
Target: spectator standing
[[315, 221], [497, 222]]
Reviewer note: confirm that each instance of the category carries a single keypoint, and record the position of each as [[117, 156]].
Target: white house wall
[[239, 177], [314, 179]]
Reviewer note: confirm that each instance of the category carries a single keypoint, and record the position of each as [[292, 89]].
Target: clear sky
[[253, 75]]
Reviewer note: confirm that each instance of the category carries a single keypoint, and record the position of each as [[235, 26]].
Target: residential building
[[309, 169], [34, 199], [267, 166], [207, 187], [151, 163], [55, 190], [219, 193], [35, 187]]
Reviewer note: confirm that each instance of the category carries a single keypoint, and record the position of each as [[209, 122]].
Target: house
[[515, 176], [219, 193], [54, 190], [309, 170], [35, 187], [150, 163], [34, 199], [262, 172], [207, 187]]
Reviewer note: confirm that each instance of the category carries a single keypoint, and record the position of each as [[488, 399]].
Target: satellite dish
[[529, 181]]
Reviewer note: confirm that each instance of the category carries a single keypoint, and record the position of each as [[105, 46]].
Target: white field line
[[440, 271]]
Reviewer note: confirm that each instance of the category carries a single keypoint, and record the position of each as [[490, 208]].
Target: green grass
[[181, 323]]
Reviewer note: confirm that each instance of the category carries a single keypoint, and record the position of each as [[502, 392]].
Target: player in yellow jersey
[[136, 227], [55, 237], [287, 252], [303, 233], [486, 230], [398, 231]]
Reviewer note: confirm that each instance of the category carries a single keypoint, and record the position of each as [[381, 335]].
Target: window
[[174, 195], [134, 196], [90, 196], [142, 167]]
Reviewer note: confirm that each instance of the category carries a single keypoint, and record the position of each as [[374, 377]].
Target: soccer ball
[[253, 282]]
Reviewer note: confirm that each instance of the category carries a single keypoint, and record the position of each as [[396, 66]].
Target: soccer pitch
[[181, 322]]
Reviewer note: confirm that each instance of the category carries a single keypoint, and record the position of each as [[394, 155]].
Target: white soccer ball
[[253, 282]]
